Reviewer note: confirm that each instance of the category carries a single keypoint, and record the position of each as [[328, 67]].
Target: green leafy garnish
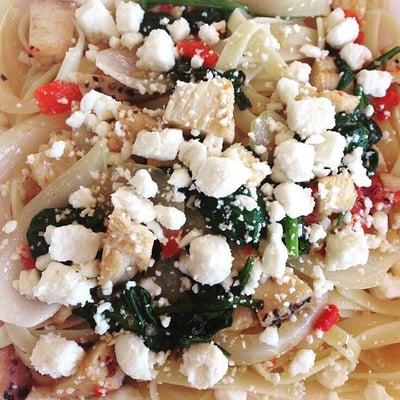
[[244, 275], [60, 217], [220, 4], [384, 58], [347, 75], [228, 217], [291, 234]]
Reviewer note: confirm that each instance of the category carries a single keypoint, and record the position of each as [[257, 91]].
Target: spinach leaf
[[347, 75], [212, 4], [155, 20], [228, 217], [60, 217], [370, 161], [384, 58], [196, 18], [244, 276]]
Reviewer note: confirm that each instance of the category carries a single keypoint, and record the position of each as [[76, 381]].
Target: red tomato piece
[[171, 248], [165, 8], [360, 38], [56, 97], [328, 318], [386, 103], [26, 258], [189, 48]]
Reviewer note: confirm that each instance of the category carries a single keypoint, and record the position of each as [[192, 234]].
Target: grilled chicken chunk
[[324, 74]]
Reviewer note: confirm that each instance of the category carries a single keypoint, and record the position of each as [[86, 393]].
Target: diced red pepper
[[360, 38], [352, 14], [328, 318], [383, 105], [56, 97], [99, 391], [166, 8], [171, 248], [26, 258], [189, 48]]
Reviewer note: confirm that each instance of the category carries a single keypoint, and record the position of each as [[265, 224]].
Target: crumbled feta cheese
[[375, 391], [74, 243], [295, 160], [380, 222], [95, 19], [180, 178], [335, 375], [210, 259], [56, 356], [317, 232], [329, 153], [375, 82], [193, 154], [311, 51], [302, 362], [82, 198], [287, 89], [299, 71], [320, 284], [10, 226], [221, 176], [296, 200], [343, 33], [170, 217], [76, 120], [129, 16], [179, 29], [131, 39], [134, 358], [276, 211], [254, 279], [114, 42], [230, 394], [275, 253], [270, 336], [336, 16], [196, 61], [141, 210], [62, 284], [157, 53], [56, 150], [246, 202], [161, 146], [346, 249], [43, 261], [204, 365], [151, 286], [356, 55], [354, 163], [312, 115], [102, 324], [208, 34], [143, 184], [214, 144], [27, 280]]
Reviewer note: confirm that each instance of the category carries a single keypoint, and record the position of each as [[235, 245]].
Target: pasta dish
[[200, 200]]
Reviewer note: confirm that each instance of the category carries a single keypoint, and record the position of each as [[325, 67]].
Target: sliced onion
[[247, 349], [14, 308], [121, 65], [4, 338], [11, 104], [24, 139], [21, 338]]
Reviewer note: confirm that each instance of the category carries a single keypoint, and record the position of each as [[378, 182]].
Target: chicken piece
[[127, 249], [282, 301], [358, 6], [51, 29], [342, 101], [337, 194], [132, 121], [206, 106], [324, 74], [98, 372], [45, 169]]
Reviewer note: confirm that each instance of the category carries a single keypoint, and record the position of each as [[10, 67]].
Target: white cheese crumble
[[287, 89], [95, 19], [179, 29], [208, 34], [295, 160], [180, 178], [346, 249], [82, 198], [102, 325], [329, 153], [299, 71], [129, 16], [170, 217], [210, 259], [134, 358], [358, 172], [157, 53], [10, 226], [143, 184], [254, 279], [161, 146], [221, 176], [296, 200], [56, 356], [270, 336], [204, 365], [141, 210], [151, 286], [276, 211], [192, 154], [56, 150], [312, 115], [312, 51], [334, 375], [302, 362], [356, 55], [375, 82], [74, 243], [343, 33], [275, 253], [62, 284], [26, 282]]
